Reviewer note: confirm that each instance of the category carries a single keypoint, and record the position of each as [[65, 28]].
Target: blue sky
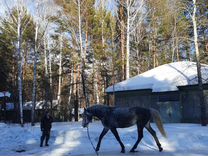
[[4, 4], [110, 5]]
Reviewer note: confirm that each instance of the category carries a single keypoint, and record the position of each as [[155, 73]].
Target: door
[[170, 111]]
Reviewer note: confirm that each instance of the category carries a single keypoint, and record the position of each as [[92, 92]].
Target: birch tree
[[96, 92], [19, 52], [83, 75], [200, 84], [48, 9], [18, 23], [134, 18], [34, 76], [60, 70], [41, 13], [50, 74]]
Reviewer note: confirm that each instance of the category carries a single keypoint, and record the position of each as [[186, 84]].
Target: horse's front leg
[[114, 131], [103, 133]]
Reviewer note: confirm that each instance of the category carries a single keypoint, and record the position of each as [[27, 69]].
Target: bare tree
[[135, 16]]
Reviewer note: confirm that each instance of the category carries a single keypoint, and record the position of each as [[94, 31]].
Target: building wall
[[133, 98], [178, 106]]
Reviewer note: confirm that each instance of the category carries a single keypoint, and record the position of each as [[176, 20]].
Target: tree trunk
[[19, 52], [175, 46], [71, 83], [114, 64], [76, 101], [200, 85], [95, 83], [60, 73], [127, 39], [50, 80], [83, 75], [46, 72], [34, 79], [122, 40]]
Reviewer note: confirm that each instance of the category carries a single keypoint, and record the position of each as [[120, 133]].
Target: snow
[[166, 77], [4, 94], [69, 138], [39, 104]]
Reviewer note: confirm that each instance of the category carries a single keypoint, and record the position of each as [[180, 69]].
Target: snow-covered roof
[[4, 94], [164, 78], [39, 104]]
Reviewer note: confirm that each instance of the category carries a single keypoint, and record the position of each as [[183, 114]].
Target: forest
[[70, 51]]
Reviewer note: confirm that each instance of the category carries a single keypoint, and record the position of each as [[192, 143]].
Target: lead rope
[[88, 134], [148, 146]]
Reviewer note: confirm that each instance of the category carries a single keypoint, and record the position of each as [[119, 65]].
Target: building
[[171, 88]]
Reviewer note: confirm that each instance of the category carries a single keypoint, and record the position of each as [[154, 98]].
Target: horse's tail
[[156, 116]]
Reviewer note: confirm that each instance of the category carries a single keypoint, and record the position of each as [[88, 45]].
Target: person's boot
[[46, 142], [41, 141]]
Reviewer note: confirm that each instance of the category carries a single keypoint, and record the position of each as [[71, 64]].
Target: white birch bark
[[41, 12], [21, 26], [34, 78], [127, 38], [50, 75], [20, 60], [80, 29], [135, 16], [60, 71], [95, 83], [71, 78], [18, 25], [201, 98], [82, 54], [45, 56], [46, 76]]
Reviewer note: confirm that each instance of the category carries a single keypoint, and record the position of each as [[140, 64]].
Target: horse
[[122, 117]]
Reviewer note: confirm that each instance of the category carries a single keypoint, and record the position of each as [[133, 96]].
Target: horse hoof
[[122, 151], [161, 149], [97, 149]]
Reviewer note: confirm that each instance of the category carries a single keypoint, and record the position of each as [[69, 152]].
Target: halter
[[88, 134]]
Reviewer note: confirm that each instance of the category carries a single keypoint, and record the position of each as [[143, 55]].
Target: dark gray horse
[[116, 117]]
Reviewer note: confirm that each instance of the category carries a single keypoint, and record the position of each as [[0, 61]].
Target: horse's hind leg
[[103, 133], [140, 136], [115, 133], [153, 133]]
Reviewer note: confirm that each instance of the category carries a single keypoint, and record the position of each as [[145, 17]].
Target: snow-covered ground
[[71, 139]]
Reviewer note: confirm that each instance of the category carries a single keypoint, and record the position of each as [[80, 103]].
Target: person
[[45, 126]]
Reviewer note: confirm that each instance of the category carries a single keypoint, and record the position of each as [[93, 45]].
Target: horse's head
[[87, 118]]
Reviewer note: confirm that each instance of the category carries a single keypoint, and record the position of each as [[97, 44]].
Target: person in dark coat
[[45, 126]]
